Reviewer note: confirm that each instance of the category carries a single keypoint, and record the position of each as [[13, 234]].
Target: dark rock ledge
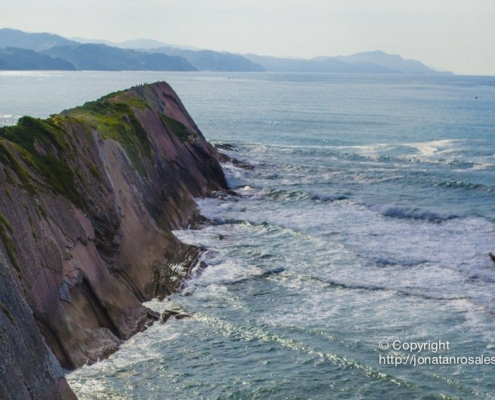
[[225, 158]]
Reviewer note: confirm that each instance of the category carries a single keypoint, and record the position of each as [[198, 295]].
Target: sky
[[453, 35]]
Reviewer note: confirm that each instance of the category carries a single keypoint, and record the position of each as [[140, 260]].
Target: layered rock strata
[[88, 199]]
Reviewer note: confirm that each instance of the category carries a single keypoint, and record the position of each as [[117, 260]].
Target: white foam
[[413, 254], [434, 147], [482, 166], [221, 269]]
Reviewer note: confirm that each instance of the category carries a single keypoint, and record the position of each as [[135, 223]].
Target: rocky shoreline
[[88, 200]]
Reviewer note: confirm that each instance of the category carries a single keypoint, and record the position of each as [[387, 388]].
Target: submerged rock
[[224, 158], [182, 316], [225, 146], [88, 199]]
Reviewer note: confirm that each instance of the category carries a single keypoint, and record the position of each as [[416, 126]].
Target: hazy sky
[[456, 35]]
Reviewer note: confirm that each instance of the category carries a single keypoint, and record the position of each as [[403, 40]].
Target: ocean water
[[368, 217]]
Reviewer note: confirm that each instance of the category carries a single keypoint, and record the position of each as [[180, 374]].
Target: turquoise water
[[368, 217]]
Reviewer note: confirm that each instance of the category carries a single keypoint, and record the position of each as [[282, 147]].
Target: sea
[[353, 262]]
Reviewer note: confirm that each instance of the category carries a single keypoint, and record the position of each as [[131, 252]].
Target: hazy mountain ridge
[[12, 58], [135, 44], [153, 55], [320, 64], [31, 41], [367, 62], [133, 55], [209, 60], [100, 57], [202, 60], [392, 61]]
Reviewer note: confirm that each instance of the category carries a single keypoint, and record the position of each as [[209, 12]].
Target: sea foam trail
[[323, 301], [432, 192], [416, 247]]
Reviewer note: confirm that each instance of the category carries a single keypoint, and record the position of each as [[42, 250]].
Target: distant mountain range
[[208, 60], [368, 62], [320, 64], [31, 41], [135, 44], [385, 60], [21, 50], [100, 57], [12, 58]]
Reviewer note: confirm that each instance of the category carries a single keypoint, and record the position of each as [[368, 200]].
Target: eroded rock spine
[[88, 200]]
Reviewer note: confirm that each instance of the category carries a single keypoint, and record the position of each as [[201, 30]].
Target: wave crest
[[464, 185], [412, 213]]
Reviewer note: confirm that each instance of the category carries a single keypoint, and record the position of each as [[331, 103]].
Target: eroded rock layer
[[88, 199]]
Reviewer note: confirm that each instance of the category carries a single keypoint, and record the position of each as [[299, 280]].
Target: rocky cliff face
[[88, 199]]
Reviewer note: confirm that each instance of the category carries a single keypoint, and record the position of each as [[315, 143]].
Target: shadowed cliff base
[[88, 199]]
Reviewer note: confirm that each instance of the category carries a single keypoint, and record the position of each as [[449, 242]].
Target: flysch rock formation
[[88, 199]]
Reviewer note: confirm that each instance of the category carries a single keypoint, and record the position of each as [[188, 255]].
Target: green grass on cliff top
[[45, 146], [23, 139], [112, 116]]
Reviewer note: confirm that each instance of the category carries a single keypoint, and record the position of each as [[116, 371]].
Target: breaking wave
[[412, 213]]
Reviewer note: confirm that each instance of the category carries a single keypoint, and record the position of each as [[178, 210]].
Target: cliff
[[88, 199]]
